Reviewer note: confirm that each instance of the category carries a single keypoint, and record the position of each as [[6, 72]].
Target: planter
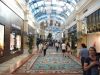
[[30, 51]]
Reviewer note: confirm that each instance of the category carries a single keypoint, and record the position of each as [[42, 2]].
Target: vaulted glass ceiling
[[58, 10]]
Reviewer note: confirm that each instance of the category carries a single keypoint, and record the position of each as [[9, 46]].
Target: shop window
[[93, 22], [15, 40], [1, 40], [98, 23], [87, 24], [99, 16], [72, 36]]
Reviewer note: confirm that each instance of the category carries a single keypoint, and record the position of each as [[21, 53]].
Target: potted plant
[[30, 43]]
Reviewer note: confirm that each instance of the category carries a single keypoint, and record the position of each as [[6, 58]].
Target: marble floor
[[53, 63]]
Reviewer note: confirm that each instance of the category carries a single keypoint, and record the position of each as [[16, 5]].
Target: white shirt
[[68, 48], [40, 46], [56, 44], [63, 46]]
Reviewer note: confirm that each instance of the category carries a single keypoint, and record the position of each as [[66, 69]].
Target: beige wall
[[92, 39]]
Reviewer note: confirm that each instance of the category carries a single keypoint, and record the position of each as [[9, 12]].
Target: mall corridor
[[29, 26]]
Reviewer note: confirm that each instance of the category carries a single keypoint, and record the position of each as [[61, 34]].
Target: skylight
[[41, 9]]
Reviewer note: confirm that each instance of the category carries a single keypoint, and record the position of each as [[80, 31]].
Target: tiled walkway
[[9, 64], [53, 62], [41, 74]]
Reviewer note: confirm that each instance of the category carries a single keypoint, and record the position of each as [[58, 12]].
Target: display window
[[15, 40], [18, 42], [1, 40], [93, 23]]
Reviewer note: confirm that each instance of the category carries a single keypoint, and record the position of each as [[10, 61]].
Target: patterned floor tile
[[53, 62]]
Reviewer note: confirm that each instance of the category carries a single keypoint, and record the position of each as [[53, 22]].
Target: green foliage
[[30, 43], [49, 35], [74, 52]]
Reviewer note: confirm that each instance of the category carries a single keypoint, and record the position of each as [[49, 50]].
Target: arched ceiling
[[58, 10]]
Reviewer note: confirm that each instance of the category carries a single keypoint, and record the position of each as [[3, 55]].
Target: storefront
[[93, 25], [15, 39], [1, 40], [11, 33], [31, 33], [72, 36]]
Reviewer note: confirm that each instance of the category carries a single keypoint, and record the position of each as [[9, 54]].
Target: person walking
[[68, 49], [63, 46], [57, 46], [40, 47], [44, 48], [83, 53], [37, 43]]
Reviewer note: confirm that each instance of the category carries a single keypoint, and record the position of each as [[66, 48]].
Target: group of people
[[64, 47], [89, 60], [43, 47]]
